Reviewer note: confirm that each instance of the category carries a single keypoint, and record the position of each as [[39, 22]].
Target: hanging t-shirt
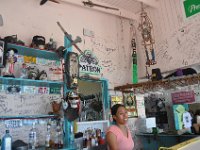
[[123, 142], [187, 120]]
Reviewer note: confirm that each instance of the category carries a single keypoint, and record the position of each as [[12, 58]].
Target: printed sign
[[89, 64], [183, 97], [191, 7]]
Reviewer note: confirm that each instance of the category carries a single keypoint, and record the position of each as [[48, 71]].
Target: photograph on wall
[[130, 104], [116, 100], [155, 107], [2, 49]]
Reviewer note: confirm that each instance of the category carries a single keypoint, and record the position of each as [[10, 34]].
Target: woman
[[118, 136]]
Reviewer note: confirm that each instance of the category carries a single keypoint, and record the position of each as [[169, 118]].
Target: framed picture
[[129, 99], [2, 53], [72, 70]]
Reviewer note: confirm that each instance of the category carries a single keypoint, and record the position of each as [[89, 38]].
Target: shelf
[[30, 82], [27, 51], [166, 83], [28, 117]]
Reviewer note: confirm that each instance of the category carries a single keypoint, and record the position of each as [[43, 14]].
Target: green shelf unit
[[29, 82], [29, 117], [28, 51]]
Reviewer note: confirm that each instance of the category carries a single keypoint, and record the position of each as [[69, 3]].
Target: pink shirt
[[123, 142]]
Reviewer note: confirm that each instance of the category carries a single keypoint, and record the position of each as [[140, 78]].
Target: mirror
[[91, 100]]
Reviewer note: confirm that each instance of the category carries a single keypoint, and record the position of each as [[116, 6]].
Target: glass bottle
[[58, 142], [32, 137], [48, 136], [31, 145], [6, 141]]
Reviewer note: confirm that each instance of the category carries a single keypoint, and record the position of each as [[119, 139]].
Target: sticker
[[55, 90], [43, 90], [29, 89], [30, 59]]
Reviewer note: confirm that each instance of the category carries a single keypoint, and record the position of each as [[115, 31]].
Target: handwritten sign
[[26, 104], [183, 97]]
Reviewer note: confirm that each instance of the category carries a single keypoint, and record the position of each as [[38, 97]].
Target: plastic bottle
[[6, 141]]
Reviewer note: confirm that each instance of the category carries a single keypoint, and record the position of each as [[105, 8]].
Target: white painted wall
[[27, 18], [177, 37]]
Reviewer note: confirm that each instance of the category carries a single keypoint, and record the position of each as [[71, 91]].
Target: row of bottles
[[53, 137], [93, 137]]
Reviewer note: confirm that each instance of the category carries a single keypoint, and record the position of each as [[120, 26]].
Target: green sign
[[191, 7]]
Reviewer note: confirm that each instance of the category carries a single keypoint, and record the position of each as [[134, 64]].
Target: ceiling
[[130, 5], [133, 6], [126, 8]]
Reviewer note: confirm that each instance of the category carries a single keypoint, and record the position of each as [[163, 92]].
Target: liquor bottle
[[31, 145], [0, 143], [6, 141], [32, 137], [58, 136], [48, 136], [102, 138], [92, 139]]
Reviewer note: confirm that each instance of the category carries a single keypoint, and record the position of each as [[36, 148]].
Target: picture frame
[[129, 100], [2, 53], [72, 70]]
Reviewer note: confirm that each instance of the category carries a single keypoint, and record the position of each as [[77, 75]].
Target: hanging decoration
[[146, 28], [134, 54]]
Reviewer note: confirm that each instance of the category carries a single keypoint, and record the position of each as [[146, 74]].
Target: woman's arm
[[111, 140]]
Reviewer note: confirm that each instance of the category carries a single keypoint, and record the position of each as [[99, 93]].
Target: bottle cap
[[7, 131]]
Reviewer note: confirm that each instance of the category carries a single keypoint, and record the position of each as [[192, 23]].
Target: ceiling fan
[[42, 2]]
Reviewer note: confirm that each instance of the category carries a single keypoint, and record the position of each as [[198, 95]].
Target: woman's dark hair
[[115, 108]]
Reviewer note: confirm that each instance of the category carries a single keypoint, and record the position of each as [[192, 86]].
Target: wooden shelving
[[166, 84]]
